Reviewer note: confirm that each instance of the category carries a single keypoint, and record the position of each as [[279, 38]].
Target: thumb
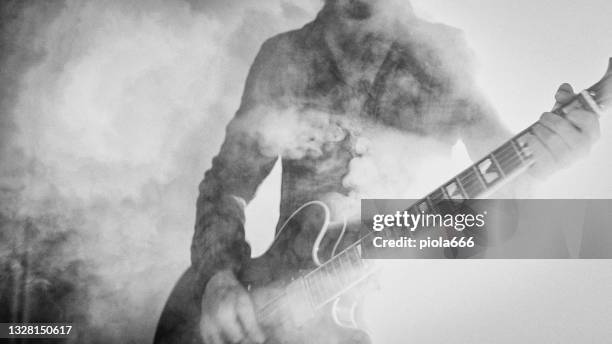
[[564, 94]]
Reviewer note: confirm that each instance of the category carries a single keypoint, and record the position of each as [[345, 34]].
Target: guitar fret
[[345, 276], [492, 157], [324, 283], [444, 193], [480, 178], [351, 271], [471, 190], [521, 143], [320, 288], [315, 288], [335, 275], [506, 167], [517, 149], [347, 253], [329, 280], [454, 189], [436, 197], [358, 262], [422, 206], [488, 170], [471, 182], [310, 290], [512, 165], [508, 158], [463, 192]]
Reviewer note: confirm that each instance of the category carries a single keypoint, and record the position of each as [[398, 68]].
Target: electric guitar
[[314, 303]]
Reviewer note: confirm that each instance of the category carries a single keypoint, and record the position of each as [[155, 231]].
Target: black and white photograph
[[313, 171]]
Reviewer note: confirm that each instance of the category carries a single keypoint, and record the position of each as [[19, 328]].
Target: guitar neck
[[477, 181], [347, 269], [498, 167]]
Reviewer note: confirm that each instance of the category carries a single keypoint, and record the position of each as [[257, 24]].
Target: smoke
[[111, 111]]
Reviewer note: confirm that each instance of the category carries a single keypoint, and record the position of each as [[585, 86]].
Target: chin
[[356, 9]]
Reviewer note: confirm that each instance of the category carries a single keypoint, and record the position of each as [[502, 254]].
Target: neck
[[360, 46], [358, 54]]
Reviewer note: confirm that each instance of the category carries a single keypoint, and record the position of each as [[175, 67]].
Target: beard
[[355, 9]]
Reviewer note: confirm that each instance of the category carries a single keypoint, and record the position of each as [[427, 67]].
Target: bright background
[[526, 49]]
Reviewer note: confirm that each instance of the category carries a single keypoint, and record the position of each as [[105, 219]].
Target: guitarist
[[366, 57]]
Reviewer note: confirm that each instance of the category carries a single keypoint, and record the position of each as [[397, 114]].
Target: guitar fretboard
[[347, 268], [484, 176], [337, 275]]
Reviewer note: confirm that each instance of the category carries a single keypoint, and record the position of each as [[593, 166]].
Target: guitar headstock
[[601, 92]]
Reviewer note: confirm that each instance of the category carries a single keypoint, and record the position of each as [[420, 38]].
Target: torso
[[407, 92]]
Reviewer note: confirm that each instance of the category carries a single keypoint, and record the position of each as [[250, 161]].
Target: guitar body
[[304, 289], [286, 313]]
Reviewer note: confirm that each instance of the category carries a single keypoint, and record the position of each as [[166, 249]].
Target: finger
[[205, 322], [556, 147], [544, 162], [564, 94], [567, 131], [587, 122], [566, 142], [247, 318], [230, 326], [232, 332], [210, 333]]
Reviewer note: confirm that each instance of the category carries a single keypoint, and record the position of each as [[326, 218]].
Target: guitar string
[[501, 159], [506, 154]]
